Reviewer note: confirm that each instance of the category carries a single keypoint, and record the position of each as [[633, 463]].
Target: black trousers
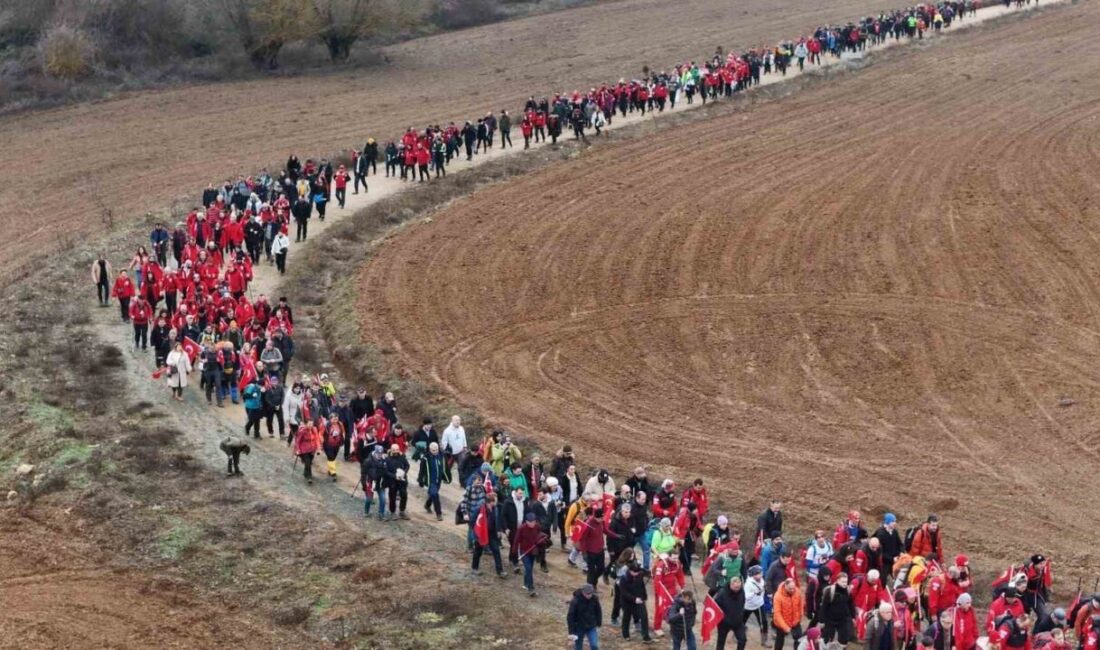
[[233, 459], [307, 465], [781, 636], [211, 384], [399, 491], [103, 291], [254, 417], [505, 136], [303, 226], [361, 178], [273, 413], [341, 195], [596, 568], [738, 633], [170, 303], [124, 308], [635, 612], [141, 335], [280, 261]]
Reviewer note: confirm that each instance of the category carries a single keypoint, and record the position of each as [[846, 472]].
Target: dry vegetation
[[52, 51]]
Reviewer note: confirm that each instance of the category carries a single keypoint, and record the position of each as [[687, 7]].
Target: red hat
[[961, 560]]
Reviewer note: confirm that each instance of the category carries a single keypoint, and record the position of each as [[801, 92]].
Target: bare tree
[[343, 22], [263, 27]]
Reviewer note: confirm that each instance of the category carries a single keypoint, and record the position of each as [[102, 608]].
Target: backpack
[[910, 533]]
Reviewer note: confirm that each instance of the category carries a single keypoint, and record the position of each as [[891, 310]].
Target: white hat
[[551, 482]]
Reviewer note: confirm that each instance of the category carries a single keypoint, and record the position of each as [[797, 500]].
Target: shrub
[[452, 14], [66, 53]]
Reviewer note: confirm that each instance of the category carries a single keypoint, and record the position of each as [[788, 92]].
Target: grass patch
[[49, 418], [175, 542], [73, 453]]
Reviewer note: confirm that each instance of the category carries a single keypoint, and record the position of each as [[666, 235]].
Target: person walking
[[280, 246], [177, 368], [486, 535], [584, 618], [396, 482], [528, 540], [787, 608], [306, 442], [432, 475], [633, 596], [253, 406], [681, 620], [505, 126], [101, 276], [731, 600]]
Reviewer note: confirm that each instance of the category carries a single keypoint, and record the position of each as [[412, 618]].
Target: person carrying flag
[[529, 538], [486, 535], [668, 580], [726, 612], [681, 620]]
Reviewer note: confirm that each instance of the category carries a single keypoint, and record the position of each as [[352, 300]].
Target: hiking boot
[[614, 622], [475, 572], [544, 568], [404, 515], [533, 593], [516, 570], [381, 516], [502, 575], [439, 517]]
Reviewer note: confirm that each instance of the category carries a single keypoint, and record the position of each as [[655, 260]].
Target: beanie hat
[[1059, 614], [486, 467], [551, 482], [755, 570], [961, 560], [890, 518], [530, 516], [963, 599], [665, 521], [723, 521], [1037, 558]]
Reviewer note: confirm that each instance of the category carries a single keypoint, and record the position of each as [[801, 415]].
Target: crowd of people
[[187, 295]]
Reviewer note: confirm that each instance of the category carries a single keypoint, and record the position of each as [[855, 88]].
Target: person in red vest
[[141, 312], [306, 442], [696, 494], [928, 540], [340, 180], [1007, 603], [966, 624], [124, 291]]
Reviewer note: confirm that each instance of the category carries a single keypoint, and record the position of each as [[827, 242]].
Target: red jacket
[[698, 496], [942, 593], [591, 538], [966, 629], [527, 540], [423, 156], [668, 509], [306, 440], [998, 608], [124, 287], [140, 312], [867, 596], [927, 543], [340, 179]]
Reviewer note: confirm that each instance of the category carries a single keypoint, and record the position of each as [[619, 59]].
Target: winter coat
[[307, 440], [676, 620], [787, 609], [181, 365], [584, 614], [732, 604], [836, 606], [394, 462], [632, 588], [292, 407], [593, 491], [754, 595], [877, 629], [433, 471]]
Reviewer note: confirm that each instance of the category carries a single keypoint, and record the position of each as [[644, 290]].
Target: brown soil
[[875, 293], [142, 151], [58, 593]]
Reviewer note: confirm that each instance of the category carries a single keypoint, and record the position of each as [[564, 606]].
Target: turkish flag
[[159, 372], [663, 602], [191, 348], [481, 527], [608, 508], [248, 372], [712, 616], [759, 546]]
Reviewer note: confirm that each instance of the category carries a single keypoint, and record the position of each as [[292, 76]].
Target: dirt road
[[142, 151], [892, 271]]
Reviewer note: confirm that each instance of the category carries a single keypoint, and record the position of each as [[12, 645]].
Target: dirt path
[[142, 151], [903, 259], [271, 470]]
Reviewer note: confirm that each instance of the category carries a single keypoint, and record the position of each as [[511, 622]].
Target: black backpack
[[910, 533]]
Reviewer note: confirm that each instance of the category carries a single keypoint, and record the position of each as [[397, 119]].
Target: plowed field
[[141, 151], [881, 292]]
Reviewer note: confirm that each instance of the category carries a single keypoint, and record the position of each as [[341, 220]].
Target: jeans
[[272, 414], [529, 571], [141, 335], [679, 639], [432, 502], [381, 494], [494, 548], [228, 387], [103, 290], [593, 636]]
